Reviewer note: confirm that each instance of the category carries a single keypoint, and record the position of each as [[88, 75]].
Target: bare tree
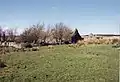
[[57, 32], [61, 32], [3, 36], [38, 33], [33, 33], [46, 34], [67, 34], [1, 33], [11, 32]]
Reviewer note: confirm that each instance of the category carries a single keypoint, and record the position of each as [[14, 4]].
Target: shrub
[[67, 42], [80, 43], [115, 41], [26, 45], [96, 41], [90, 41], [102, 41]]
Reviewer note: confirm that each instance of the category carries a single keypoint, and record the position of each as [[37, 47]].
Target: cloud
[[54, 7]]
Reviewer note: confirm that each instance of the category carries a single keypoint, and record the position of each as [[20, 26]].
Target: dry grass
[[98, 41]]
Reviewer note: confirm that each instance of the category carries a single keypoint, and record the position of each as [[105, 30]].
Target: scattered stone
[[35, 49], [34, 76], [2, 64], [97, 54]]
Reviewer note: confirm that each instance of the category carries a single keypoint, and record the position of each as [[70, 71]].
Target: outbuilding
[[76, 37]]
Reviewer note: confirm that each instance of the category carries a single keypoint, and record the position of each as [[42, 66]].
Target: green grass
[[98, 63]]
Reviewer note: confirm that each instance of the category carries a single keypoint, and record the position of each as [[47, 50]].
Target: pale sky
[[88, 16]]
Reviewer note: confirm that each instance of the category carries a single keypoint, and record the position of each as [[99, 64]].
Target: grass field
[[98, 63]]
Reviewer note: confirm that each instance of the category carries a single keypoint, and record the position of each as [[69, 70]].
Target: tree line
[[38, 33]]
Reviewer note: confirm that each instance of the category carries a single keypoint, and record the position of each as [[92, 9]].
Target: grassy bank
[[62, 64]]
